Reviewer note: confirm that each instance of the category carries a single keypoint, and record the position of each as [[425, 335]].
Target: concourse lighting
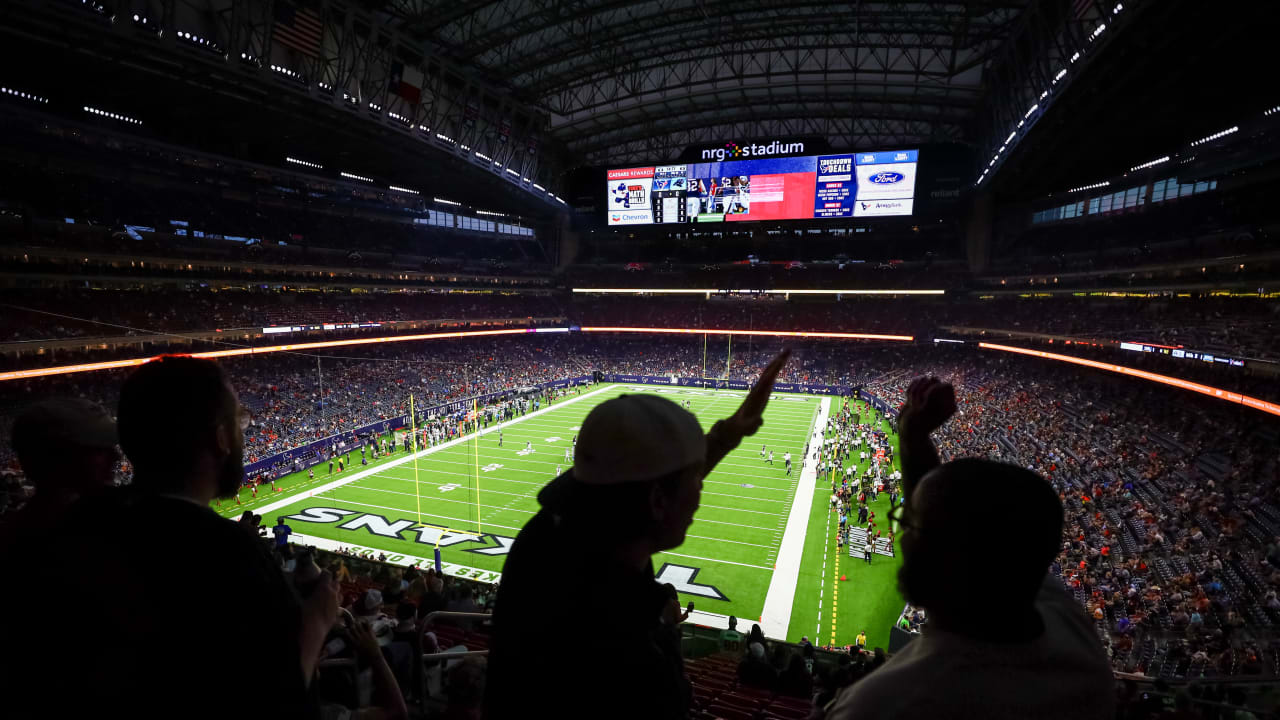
[[397, 188], [1227, 395], [236, 352], [753, 333], [703, 291], [352, 176], [446, 202]]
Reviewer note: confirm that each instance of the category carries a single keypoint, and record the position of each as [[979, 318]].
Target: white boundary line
[[781, 596], [285, 502]]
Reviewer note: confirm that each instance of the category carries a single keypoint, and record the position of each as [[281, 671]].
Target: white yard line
[[285, 502], [780, 598]]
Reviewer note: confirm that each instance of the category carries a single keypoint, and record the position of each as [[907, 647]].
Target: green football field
[[473, 496]]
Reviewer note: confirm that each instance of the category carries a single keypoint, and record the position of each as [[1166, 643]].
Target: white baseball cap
[[633, 438]]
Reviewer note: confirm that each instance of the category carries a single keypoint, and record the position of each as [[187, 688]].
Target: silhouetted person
[[67, 448], [169, 580], [632, 492], [1004, 640]]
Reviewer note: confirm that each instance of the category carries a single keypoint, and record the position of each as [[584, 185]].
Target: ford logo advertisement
[[887, 178]]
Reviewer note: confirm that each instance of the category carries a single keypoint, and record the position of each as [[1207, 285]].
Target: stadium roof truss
[[634, 81], [326, 51], [1051, 45]]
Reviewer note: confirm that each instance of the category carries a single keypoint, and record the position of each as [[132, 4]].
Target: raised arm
[[726, 434], [929, 403]]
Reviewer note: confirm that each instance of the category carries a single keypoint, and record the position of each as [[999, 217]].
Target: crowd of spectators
[[1173, 506], [106, 313], [1172, 503], [1236, 327]]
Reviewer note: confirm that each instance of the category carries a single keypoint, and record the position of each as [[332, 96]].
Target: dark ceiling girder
[[667, 16], [763, 29], [832, 103], [709, 118]]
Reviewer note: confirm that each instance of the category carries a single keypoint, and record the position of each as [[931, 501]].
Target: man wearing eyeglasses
[[1033, 654]]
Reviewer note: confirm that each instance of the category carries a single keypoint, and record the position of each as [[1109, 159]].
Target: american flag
[[297, 28]]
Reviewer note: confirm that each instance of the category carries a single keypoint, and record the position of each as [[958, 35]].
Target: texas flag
[[406, 82]]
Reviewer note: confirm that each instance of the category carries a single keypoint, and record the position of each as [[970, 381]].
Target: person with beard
[[167, 577], [1032, 653], [634, 487]]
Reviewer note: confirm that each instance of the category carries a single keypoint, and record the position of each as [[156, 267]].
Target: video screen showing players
[[793, 188]]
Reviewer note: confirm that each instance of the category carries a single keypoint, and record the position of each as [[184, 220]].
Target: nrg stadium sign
[[759, 148], [734, 151]]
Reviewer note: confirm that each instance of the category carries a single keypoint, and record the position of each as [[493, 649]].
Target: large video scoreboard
[[865, 184]]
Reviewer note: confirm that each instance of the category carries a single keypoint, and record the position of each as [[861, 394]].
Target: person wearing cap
[[67, 448], [632, 492]]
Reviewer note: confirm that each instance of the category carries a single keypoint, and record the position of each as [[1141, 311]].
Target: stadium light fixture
[[512, 172], [353, 176], [399, 117], [1104, 183], [484, 157], [24, 95], [490, 212], [1219, 393], [114, 116], [1215, 136], [446, 202], [446, 138], [1271, 111], [397, 188], [304, 163], [1030, 110], [286, 72], [1146, 165], [536, 186]]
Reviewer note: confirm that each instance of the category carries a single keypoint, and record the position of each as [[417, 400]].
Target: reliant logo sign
[[734, 151]]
